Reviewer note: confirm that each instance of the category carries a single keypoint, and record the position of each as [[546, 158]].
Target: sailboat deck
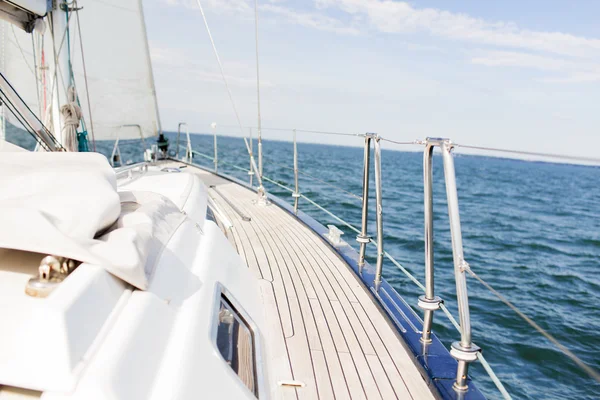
[[325, 333]]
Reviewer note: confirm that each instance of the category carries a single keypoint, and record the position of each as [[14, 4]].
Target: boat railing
[[463, 350], [115, 156], [188, 147], [130, 169]]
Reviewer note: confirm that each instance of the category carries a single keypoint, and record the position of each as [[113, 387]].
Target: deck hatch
[[236, 343]]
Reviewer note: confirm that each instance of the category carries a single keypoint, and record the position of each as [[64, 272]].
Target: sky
[[508, 74]]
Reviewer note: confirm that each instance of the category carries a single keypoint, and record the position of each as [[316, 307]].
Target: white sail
[[19, 66], [119, 73], [122, 98]]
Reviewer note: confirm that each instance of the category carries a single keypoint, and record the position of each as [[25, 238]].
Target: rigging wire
[[331, 133], [237, 116], [82, 136], [531, 153], [319, 180], [414, 142], [258, 87], [87, 91], [37, 86], [299, 130], [589, 370], [21, 50]]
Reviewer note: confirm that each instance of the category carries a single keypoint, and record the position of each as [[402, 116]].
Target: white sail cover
[[117, 60]]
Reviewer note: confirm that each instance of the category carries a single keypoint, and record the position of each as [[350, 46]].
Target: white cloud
[[274, 8], [574, 58], [310, 20], [238, 74], [523, 60], [571, 71], [220, 6], [400, 17]]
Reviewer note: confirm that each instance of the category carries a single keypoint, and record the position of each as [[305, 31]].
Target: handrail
[[379, 214], [464, 351], [213, 126], [142, 166], [449, 172], [363, 238], [296, 193], [188, 147], [117, 150]]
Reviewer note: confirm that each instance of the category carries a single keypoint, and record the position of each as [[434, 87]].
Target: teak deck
[[325, 331]]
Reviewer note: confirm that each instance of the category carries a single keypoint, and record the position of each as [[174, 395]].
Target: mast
[[60, 66], [151, 72]]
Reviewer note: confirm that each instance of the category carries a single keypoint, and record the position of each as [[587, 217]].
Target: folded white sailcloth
[[67, 204]]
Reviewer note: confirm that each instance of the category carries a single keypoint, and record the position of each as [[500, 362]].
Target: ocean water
[[530, 229]]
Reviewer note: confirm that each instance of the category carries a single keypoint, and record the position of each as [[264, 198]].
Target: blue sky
[[511, 74]]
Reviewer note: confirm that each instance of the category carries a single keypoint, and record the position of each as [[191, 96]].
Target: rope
[[493, 376], [237, 116], [71, 114], [589, 370]]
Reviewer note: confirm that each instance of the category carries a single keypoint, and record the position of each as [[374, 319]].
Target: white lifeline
[[144, 328]]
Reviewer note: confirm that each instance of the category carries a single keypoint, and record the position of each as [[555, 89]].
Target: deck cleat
[[51, 272]]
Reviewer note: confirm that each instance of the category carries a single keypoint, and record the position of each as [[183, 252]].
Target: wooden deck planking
[[324, 327], [376, 336], [324, 387], [366, 346], [276, 350]]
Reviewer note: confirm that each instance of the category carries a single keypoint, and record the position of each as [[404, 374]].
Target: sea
[[530, 229]]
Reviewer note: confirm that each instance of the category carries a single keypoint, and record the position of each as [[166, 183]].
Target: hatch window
[[235, 342]]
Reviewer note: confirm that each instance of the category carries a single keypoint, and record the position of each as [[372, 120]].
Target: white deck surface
[[325, 331]]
